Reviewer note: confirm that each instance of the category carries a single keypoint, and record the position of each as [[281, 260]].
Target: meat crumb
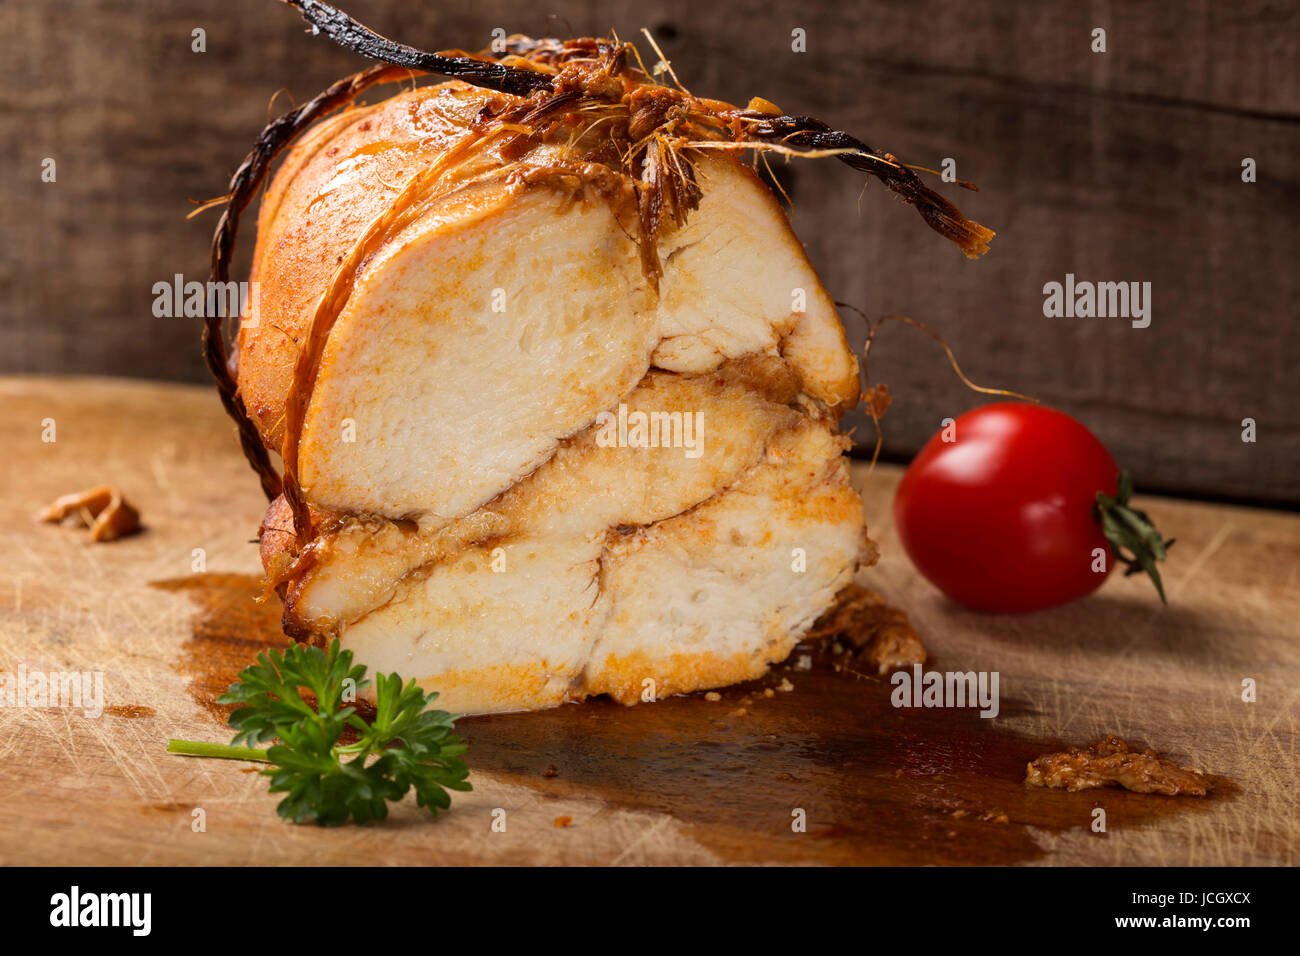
[[881, 636], [987, 816], [562, 821], [1112, 764], [550, 771], [103, 510], [878, 399]]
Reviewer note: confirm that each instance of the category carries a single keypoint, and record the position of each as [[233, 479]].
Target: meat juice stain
[[876, 784], [228, 630], [132, 711]]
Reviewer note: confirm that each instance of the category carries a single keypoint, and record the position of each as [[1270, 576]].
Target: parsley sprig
[[404, 746]]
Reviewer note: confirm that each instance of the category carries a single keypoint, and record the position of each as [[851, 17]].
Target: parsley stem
[[196, 748]]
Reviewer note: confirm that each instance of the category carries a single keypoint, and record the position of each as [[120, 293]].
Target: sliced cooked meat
[[485, 519]]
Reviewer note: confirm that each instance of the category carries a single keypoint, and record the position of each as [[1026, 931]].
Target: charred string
[[941, 215], [354, 36], [801, 131]]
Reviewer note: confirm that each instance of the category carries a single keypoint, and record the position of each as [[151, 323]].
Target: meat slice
[[498, 627], [467, 351], [713, 596], [543, 611], [486, 520], [506, 314], [585, 488]]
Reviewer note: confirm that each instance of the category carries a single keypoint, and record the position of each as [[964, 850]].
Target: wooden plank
[[683, 781], [1123, 165]]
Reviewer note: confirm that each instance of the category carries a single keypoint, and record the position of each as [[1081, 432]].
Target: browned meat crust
[[103, 510], [1111, 763], [882, 636]]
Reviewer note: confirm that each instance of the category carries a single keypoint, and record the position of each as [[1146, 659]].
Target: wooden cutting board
[[687, 780]]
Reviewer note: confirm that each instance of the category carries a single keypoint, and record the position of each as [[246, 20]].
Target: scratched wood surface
[[1121, 166], [683, 781]]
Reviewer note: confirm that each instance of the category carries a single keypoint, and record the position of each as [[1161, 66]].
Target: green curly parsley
[[405, 746]]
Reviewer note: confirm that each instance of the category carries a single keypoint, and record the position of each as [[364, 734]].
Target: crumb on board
[[986, 816], [785, 685], [562, 821], [881, 636], [129, 710], [713, 695], [550, 771], [1111, 763], [103, 510]]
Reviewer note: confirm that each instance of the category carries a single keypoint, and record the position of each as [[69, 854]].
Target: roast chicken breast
[[536, 473]]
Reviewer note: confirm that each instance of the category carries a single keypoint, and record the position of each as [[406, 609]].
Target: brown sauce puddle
[[878, 784]]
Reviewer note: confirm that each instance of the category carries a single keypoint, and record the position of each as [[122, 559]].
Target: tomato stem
[[1134, 540]]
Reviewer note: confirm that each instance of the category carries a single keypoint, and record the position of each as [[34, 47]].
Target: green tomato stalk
[[1134, 540]]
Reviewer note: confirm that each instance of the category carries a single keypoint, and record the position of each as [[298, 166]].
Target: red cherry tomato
[[1001, 518]]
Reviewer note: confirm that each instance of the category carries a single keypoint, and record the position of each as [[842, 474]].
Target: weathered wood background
[[1117, 166]]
